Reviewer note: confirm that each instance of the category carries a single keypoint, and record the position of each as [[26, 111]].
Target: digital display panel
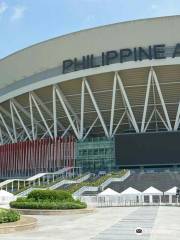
[[147, 149]]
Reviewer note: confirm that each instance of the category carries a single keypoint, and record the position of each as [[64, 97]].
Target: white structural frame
[[96, 108], [77, 121], [152, 79], [63, 103], [126, 100]]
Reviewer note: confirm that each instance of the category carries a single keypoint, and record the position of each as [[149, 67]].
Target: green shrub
[[7, 215], [48, 199], [50, 195], [48, 205], [22, 199]]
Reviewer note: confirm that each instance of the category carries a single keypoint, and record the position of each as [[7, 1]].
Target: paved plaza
[[158, 223]]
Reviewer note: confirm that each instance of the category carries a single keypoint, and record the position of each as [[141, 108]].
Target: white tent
[[171, 191], [6, 197], [171, 194], [152, 195], [108, 197], [130, 194], [131, 191], [152, 191], [108, 192]]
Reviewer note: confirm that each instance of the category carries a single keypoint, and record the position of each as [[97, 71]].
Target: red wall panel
[[31, 157]]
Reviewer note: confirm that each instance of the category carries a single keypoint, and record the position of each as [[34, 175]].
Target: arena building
[[97, 99]]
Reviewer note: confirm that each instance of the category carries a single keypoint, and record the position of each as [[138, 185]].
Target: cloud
[[18, 13], [3, 7]]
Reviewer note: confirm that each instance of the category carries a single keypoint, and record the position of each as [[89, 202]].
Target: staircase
[[58, 185]]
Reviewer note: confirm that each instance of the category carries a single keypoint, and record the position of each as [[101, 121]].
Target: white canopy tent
[[171, 193], [130, 194], [130, 191], [108, 197], [6, 197], [152, 195], [152, 191], [108, 192]]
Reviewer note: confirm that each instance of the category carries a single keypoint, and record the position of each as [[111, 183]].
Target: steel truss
[[13, 128]]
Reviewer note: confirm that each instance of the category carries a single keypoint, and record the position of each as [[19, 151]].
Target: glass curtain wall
[[95, 154]]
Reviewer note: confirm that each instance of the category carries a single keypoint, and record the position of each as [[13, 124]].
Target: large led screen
[[147, 149]]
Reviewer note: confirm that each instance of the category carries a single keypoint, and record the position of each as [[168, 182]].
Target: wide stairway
[[141, 181]]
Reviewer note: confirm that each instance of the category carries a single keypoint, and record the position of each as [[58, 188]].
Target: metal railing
[[55, 186], [80, 191]]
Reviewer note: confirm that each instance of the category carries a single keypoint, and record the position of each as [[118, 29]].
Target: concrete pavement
[[107, 224]]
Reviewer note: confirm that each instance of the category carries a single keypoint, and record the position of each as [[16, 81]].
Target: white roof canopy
[[108, 192], [130, 191], [171, 191], [152, 191]]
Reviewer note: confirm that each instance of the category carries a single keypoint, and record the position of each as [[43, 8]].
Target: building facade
[[85, 88]]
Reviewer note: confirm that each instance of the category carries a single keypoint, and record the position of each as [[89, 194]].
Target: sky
[[26, 22]]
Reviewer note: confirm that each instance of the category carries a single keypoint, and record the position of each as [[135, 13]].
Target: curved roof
[[134, 96], [50, 54]]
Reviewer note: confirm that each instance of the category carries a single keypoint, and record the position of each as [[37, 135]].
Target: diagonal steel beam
[[120, 121], [21, 121], [54, 112], [69, 107], [42, 117], [123, 92], [89, 130], [113, 104], [7, 128], [162, 100], [27, 114], [7, 114], [146, 101], [46, 109], [13, 122], [82, 108], [61, 99], [96, 108]]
